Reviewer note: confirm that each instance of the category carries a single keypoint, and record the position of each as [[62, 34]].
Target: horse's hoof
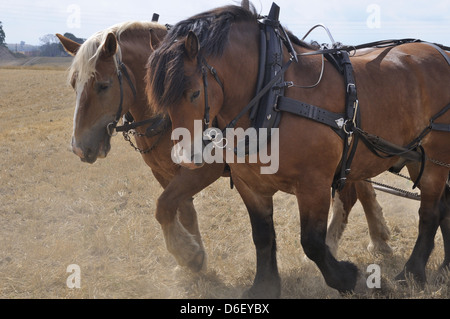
[[400, 278], [405, 278], [347, 278], [198, 263], [380, 248]]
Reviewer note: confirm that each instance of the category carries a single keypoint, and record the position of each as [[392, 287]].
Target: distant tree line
[[2, 35], [50, 45]]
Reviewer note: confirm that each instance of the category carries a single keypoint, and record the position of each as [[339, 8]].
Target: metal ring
[[344, 127], [218, 142], [111, 130]]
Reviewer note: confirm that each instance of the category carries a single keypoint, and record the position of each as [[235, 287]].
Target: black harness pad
[[264, 114]]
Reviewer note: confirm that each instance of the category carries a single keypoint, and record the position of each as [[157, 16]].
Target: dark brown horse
[[93, 74], [399, 89]]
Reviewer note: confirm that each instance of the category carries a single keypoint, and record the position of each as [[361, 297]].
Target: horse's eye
[[103, 86], [195, 95]]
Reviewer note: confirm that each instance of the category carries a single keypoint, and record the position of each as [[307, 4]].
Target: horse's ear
[[110, 46], [70, 46], [192, 45], [245, 4], [154, 40]]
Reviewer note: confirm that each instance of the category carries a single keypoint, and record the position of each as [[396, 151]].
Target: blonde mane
[[84, 63]]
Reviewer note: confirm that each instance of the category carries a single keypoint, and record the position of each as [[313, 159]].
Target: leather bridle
[[205, 68], [210, 135], [121, 70]]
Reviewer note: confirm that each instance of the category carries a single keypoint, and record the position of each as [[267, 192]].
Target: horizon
[[350, 22]]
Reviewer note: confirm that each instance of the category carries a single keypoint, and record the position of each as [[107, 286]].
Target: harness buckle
[[350, 86], [275, 106]]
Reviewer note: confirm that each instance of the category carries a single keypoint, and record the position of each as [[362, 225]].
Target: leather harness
[[270, 101]]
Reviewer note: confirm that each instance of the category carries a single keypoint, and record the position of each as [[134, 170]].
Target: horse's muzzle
[[89, 154], [77, 150]]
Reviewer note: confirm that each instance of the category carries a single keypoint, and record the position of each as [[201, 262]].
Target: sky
[[349, 21]]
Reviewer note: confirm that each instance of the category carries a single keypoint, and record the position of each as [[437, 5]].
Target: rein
[[158, 124]]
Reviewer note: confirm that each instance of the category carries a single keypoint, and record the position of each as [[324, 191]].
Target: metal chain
[[126, 136], [401, 175], [405, 193], [434, 161]]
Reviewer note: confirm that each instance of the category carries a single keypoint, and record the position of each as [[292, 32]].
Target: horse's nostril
[[88, 153], [78, 151]]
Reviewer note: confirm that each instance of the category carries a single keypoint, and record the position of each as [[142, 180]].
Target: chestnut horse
[[93, 75], [125, 48], [209, 63]]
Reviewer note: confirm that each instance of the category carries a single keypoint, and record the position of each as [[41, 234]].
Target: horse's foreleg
[[378, 230], [179, 241], [186, 247], [188, 218], [181, 231], [314, 209], [260, 208]]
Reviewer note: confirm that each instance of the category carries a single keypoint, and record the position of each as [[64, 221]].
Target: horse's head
[[103, 94], [107, 75], [190, 77], [189, 90]]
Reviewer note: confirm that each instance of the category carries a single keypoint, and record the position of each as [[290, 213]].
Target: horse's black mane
[[212, 27], [165, 77]]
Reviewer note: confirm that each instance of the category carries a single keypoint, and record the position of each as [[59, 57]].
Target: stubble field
[[57, 211]]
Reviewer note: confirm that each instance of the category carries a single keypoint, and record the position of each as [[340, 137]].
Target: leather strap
[[440, 50], [334, 120]]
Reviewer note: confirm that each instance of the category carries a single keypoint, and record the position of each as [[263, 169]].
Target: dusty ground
[[56, 211]]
